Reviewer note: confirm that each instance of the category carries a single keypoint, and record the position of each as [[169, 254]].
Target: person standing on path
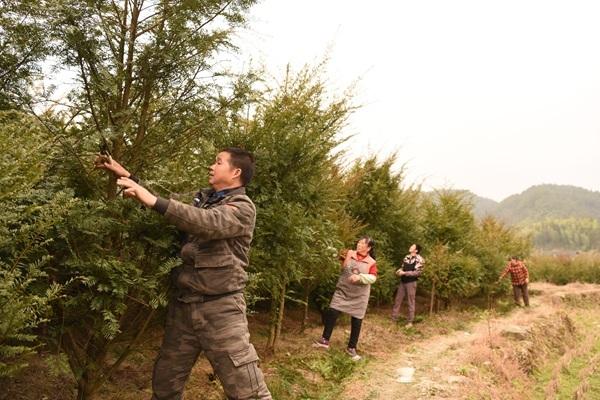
[[351, 296], [412, 267], [207, 312], [519, 276]]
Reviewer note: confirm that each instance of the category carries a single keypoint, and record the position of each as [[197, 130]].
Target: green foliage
[[29, 212], [495, 243], [376, 197], [575, 234], [22, 45], [21, 311], [382, 292], [295, 192], [143, 68], [453, 275], [449, 233], [563, 268], [335, 367], [22, 148], [311, 376], [448, 219], [463, 257], [141, 85]]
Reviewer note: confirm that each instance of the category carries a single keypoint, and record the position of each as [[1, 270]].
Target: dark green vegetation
[[558, 217]]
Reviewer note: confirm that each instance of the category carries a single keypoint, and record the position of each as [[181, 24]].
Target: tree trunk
[[270, 339], [87, 366], [307, 288], [280, 314], [86, 388], [432, 299], [277, 308]]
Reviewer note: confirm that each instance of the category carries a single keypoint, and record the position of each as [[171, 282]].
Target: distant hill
[[482, 206], [542, 202], [558, 216]]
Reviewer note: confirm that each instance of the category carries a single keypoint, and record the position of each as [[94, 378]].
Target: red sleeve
[[373, 270]]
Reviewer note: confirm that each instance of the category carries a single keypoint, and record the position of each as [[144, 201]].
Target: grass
[[561, 269], [594, 381], [314, 375], [577, 370]]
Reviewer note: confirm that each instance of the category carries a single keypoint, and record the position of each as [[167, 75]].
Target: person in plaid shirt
[[519, 276]]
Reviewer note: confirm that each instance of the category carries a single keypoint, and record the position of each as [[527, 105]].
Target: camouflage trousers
[[218, 328]]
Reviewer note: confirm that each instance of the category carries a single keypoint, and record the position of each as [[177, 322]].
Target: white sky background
[[490, 96]]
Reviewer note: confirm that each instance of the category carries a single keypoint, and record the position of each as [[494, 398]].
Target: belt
[[203, 298]]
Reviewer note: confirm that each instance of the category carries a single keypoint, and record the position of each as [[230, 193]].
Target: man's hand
[[106, 162], [354, 278], [139, 193], [527, 281], [400, 272]]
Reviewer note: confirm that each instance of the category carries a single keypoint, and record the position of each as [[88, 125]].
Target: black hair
[[418, 247], [242, 159], [370, 243]]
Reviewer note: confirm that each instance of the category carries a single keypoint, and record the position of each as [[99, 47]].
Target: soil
[[441, 363]]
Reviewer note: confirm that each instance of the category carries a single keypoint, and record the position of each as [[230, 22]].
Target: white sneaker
[[353, 355]]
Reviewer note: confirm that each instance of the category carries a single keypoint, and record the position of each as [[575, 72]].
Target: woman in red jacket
[[351, 296]]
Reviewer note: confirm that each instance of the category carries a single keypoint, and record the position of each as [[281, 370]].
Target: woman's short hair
[[370, 243]]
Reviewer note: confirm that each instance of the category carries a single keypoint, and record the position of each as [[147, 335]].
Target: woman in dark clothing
[[409, 272]]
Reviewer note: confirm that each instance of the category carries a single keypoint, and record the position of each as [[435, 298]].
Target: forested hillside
[[558, 217], [549, 202]]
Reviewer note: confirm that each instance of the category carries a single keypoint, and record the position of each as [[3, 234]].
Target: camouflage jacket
[[219, 228]]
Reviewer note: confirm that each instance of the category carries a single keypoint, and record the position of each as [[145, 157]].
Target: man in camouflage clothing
[[208, 313]]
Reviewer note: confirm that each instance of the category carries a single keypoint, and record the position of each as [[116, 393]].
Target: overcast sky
[[490, 96]]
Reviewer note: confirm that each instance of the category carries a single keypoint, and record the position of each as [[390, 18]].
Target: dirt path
[[440, 362]]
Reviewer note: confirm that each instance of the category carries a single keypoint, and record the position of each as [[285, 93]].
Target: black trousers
[[330, 318]]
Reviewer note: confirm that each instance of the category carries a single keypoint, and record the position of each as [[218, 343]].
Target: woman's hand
[[137, 192], [400, 272], [343, 253], [108, 163], [354, 278]]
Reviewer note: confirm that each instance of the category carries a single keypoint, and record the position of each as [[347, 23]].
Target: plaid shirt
[[518, 272]]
